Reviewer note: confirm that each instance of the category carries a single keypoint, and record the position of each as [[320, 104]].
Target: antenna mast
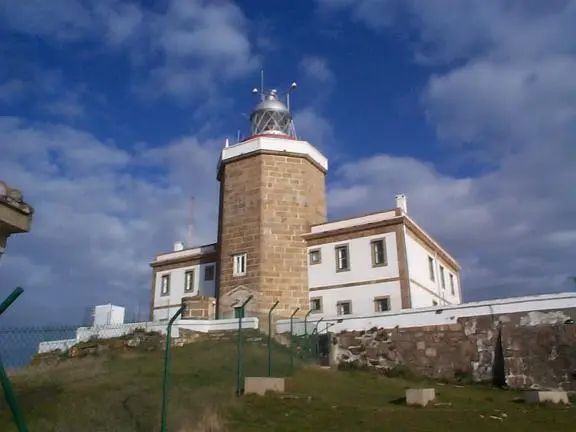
[[190, 238]]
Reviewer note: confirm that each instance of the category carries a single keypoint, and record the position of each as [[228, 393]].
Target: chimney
[[401, 203], [178, 246]]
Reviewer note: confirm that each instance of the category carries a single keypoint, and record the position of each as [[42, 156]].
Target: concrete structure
[[535, 307], [555, 397], [15, 214], [108, 315], [275, 244], [420, 396], [84, 334], [263, 385]]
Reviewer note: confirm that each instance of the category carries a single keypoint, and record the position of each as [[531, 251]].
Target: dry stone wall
[[524, 350]]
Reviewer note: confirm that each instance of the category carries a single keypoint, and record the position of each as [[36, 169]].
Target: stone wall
[[199, 307], [267, 201], [524, 350]]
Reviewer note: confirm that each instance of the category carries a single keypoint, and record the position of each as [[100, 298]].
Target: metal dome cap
[[272, 115]]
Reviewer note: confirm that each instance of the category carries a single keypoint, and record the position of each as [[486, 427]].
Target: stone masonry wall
[[268, 201], [538, 349]]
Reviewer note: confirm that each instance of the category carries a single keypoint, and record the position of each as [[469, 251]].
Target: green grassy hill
[[122, 392]]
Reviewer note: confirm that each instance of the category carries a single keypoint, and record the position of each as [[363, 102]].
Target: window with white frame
[[342, 258], [431, 269], [165, 285], [315, 256], [189, 281], [379, 257], [452, 284], [316, 304], [442, 278], [209, 273], [239, 264], [382, 304], [344, 307]]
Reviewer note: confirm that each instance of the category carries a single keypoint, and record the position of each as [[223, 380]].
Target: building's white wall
[[360, 255], [177, 281], [108, 314], [185, 253], [444, 315], [418, 271], [423, 299], [361, 296], [347, 223]]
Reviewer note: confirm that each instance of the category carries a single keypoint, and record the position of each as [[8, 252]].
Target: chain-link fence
[[132, 364]]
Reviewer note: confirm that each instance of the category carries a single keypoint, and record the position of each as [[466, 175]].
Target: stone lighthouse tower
[[272, 189]]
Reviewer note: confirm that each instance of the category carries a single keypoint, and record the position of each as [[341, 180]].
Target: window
[[452, 284], [344, 307], [431, 269], [342, 258], [315, 256], [239, 265], [165, 285], [189, 281], [209, 273], [442, 279], [379, 257], [382, 304], [316, 304]]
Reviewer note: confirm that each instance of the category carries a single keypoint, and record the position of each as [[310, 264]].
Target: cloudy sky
[[112, 115]]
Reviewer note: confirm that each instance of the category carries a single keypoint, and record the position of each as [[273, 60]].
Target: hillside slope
[[121, 391]]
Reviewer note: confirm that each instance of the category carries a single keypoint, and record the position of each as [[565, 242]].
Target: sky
[[113, 114]]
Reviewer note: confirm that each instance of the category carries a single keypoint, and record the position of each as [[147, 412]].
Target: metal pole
[[317, 345], [10, 299], [240, 363], [292, 339], [9, 394], [306, 330], [270, 338], [166, 367]]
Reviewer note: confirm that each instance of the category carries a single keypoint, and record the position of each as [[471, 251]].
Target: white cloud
[[510, 101], [101, 213], [182, 47], [316, 68]]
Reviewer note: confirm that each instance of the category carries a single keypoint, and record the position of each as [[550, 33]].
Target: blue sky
[[112, 114]]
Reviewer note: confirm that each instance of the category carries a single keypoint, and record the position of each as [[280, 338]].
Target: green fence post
[[270, 338], [307, 338], [240, 360], [317, 344], [167, 366], [4, 379], [292, 340]]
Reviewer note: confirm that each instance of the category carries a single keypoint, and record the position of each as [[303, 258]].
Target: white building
[[108, 315], [182, 272], [378, 263], [276, 244]]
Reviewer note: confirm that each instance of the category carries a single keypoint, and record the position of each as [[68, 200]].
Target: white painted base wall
[[436, 315], [84, 334]]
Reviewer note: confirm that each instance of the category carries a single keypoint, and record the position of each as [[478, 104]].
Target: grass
[[123, 393]]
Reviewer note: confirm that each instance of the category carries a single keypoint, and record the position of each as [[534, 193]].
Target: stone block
[[261, 385], [554, 396], [420, 396]]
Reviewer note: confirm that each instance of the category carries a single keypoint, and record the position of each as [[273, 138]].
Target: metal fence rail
[[41, 349]]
